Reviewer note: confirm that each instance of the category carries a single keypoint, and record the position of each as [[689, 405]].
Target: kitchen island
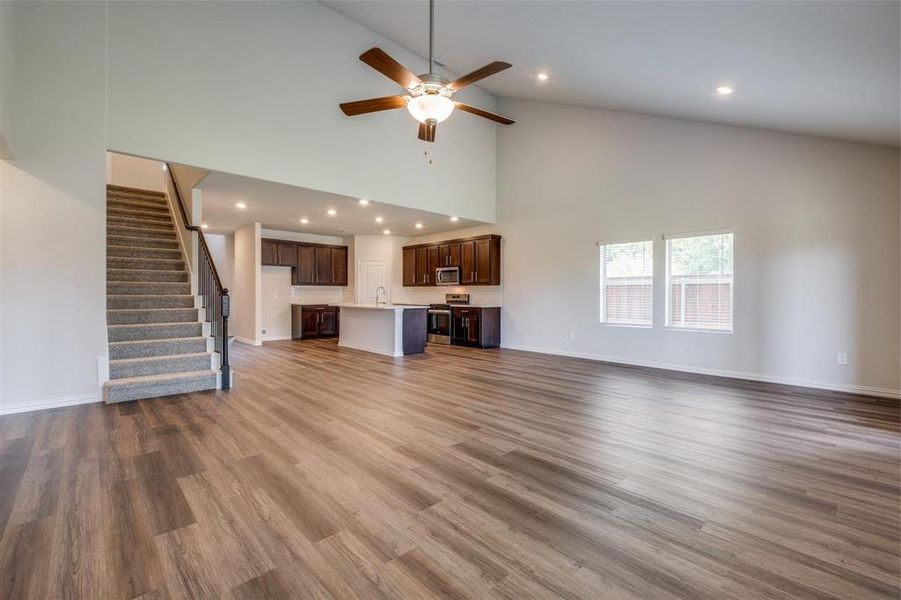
[[389, 329]]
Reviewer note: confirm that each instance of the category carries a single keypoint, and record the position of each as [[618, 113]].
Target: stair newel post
[[224, 368]]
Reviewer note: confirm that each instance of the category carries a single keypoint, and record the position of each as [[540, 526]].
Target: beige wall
[[816, 227], [260, 84], [136, 172], [52, 209], [246, 304]]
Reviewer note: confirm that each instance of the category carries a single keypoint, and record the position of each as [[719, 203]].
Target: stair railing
[[216, 300]]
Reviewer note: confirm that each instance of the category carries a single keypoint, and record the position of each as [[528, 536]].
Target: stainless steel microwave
[[447, 276]]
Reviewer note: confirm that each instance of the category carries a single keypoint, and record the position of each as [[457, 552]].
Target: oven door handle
[[439, 312]]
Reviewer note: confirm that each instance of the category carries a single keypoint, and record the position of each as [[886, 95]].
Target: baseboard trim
[[248, 341], [793, 381], [11, 409], [280, 338]]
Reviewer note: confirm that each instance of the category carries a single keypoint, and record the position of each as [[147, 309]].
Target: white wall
[[222, 249], [246, 304], [816, 227], [259, 85], [136, 172], [52, 209], [275, 311]]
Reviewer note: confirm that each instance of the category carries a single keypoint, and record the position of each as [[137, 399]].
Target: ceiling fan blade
[[484, 113], [495, 67], [427, 130], [379, 60], [361, 107]]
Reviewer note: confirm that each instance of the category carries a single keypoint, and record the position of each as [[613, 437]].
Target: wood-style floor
[[331, 473]]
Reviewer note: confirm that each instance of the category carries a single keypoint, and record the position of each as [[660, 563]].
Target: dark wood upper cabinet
[[422, 265], [468, 262], [269, 253], [305, 274], [434, 263], [409, 267], [479, 259], [323, 265], [482, 262], [286, 254], [313, 264], [339, 266]]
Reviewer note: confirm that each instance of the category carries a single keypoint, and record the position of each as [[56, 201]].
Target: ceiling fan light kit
[[428, 97]]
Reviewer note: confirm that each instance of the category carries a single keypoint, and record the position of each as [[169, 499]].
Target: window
[[627, 283], [699, 282]]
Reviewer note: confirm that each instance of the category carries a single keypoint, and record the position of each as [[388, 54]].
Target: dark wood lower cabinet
[[314, 321], [475, 326]]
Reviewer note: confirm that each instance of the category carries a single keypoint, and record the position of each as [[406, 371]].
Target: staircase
[[159, 343]]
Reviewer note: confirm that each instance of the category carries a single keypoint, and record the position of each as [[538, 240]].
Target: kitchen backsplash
[[432, 295]]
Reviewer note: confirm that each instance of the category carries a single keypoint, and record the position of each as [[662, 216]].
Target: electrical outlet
[[842, 358], [572, 334], [264, 332]]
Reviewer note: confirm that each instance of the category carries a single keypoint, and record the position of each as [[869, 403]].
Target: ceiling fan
[[428, 96]]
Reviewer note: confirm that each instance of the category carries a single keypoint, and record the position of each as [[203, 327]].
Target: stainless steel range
[[440, 318]]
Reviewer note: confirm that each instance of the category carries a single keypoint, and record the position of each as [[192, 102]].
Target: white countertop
[[381, 306]]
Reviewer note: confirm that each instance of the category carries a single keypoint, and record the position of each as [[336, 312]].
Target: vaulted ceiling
[[819, 68]]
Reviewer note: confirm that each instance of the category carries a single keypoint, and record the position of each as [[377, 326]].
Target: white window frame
[[602, 295], [668, 286]]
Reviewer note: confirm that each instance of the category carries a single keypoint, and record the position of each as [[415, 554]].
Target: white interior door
[[371, 275]]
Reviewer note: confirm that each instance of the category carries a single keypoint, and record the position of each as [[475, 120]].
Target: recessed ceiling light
[[332, 212], [387, 232], [379, 219], [241, 205], [363, 201], [724, 90], [304, 221], [419, 226], [455, 219], [542, 76], [204, 226]]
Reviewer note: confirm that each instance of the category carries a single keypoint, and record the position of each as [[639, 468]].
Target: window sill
[[627, 325], [698, 329]]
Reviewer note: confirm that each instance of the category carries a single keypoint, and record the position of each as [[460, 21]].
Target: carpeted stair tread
[[143, 251], [157, 365], [118, 240], [137, 213], [112, 188], [161, 208], [151, 316], [115, 302], [147, 288], [146, 276], [145, 263], [152, 331], [162, 347], [153, 386], [143, 232], [130, 221]]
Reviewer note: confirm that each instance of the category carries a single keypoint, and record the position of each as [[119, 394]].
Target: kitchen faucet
[[380, 292]]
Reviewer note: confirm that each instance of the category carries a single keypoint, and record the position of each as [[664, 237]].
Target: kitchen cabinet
[[305, 273], [476, 326], [422, 265], [311, 264], [314, 321], [409, 256], [339, 266], [269, 252], [449, 254], [479, 259], [323, 264], [286, 254]]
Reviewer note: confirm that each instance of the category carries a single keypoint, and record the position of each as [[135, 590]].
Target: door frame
[[386, 269]]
